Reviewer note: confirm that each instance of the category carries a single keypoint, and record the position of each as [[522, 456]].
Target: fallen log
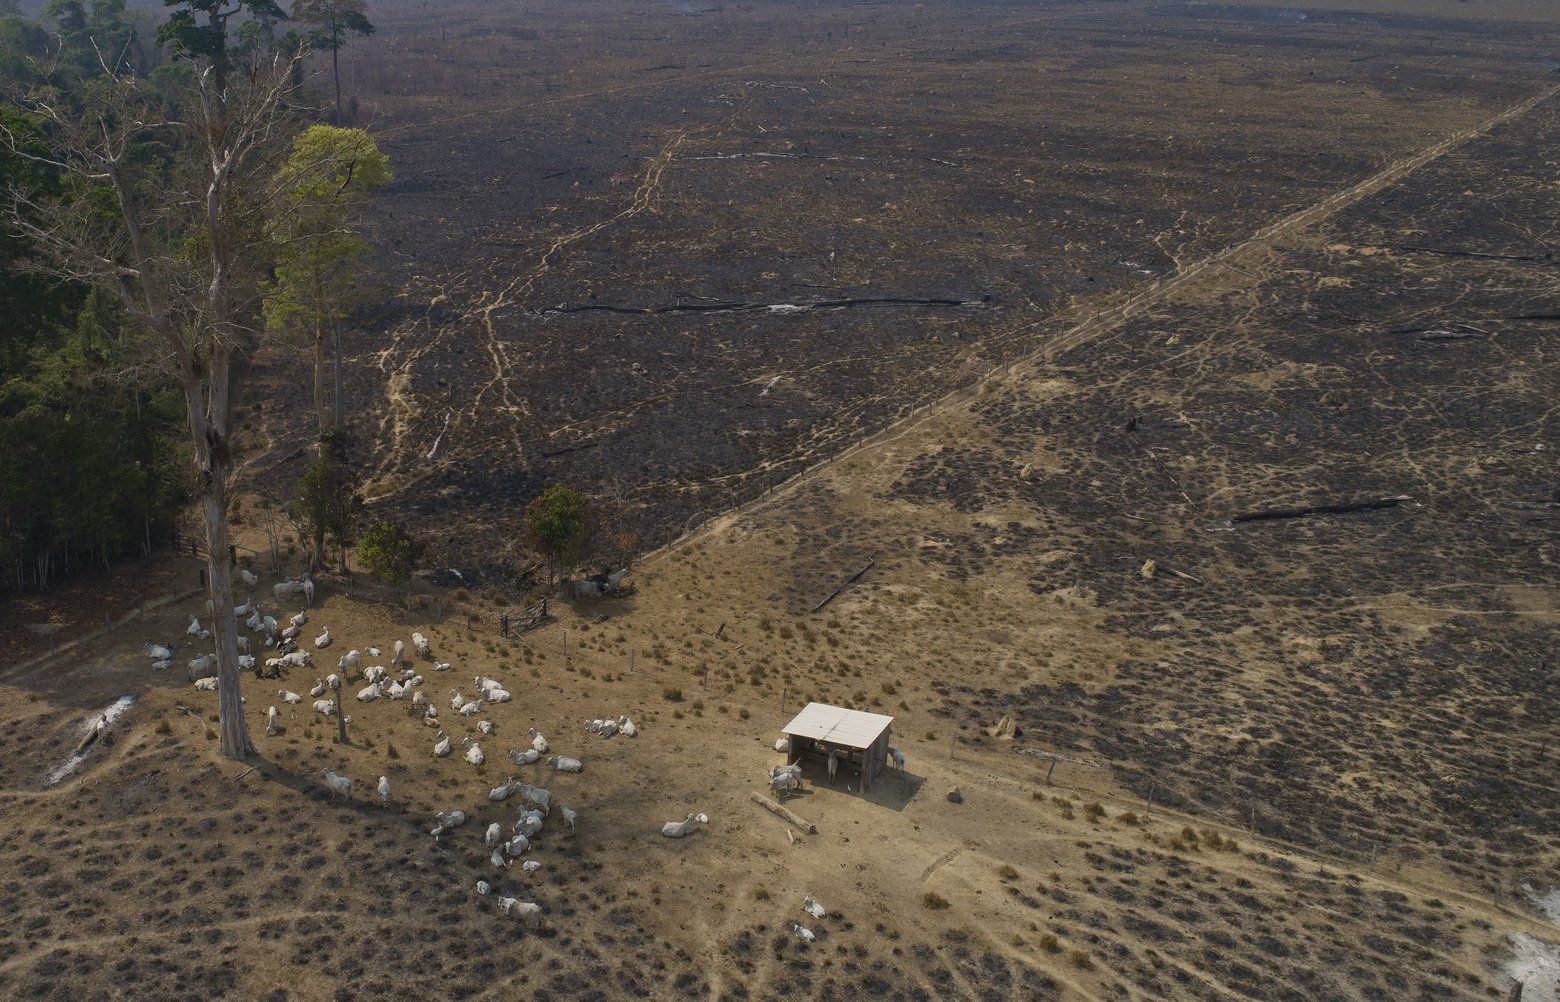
[[848, 582], [1345, 508], [1450, 335], [98, 727], [776, 809], [1457, 252], [566, 449], [739, 306]]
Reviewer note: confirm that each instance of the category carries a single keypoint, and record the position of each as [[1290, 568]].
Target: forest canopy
[[93, 465]]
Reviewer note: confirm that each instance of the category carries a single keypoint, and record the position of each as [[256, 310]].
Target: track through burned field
[[584, 288], [1165, 290], [1261, 548]]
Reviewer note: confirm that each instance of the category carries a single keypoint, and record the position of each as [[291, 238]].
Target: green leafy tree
[[198, 30], [559, 525], [22, 45], [331, 22], [325, 500], [387, 550], [319, 253], [257, 40]]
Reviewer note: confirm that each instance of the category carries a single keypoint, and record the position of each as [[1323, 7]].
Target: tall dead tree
[[166, 211]]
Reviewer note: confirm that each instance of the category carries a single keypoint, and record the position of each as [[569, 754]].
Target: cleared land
[[1335, 681], [591, 225]]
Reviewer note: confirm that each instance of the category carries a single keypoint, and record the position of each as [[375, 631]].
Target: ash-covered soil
[[598, 205], [1310, 502]]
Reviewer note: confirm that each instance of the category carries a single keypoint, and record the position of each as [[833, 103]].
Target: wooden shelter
[[856, 737]]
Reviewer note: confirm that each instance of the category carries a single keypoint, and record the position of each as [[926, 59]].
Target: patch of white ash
[[98, 722]]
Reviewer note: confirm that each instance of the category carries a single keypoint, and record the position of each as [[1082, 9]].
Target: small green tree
[[559, 525], [325, 500], [319, 253], [332, 21], [387, 550]]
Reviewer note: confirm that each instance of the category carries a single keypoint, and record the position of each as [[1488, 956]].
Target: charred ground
[[1334, 443], [562, 166]]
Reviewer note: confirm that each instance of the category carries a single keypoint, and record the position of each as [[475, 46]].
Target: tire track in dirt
[[939, 863], [524, 283], [399, 358], [402, 409]]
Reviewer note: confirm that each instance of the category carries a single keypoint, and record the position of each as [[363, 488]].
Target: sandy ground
[[154, 870]]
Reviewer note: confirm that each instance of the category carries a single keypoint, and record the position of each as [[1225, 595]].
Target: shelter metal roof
[[835, 724]]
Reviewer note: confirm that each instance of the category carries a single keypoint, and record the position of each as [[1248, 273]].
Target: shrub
[[386, 550], [934, 901], [1080, 959], [1006, 872], [672, 695], [1049, 944], [559, 525]]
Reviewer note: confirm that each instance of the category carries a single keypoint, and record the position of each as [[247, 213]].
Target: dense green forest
[[113, 279], [92, 449]]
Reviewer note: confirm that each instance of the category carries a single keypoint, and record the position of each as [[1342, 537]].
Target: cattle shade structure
[[856, 736]]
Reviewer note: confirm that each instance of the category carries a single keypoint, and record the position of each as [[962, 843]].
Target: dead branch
[[848, 582], [776, 809], [1311, 511]]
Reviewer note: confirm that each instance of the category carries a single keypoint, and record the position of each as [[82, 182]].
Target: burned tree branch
[[848, 582], [1312, 511]]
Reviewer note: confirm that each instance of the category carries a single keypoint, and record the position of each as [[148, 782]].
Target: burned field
[[1353, 459], [1304, 513], [1220, 579], [746, 237]]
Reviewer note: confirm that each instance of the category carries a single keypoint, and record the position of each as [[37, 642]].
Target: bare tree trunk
[[207, 422], [235, 742], [335, 72], [341, 708], [320, 410], [335, 335]]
